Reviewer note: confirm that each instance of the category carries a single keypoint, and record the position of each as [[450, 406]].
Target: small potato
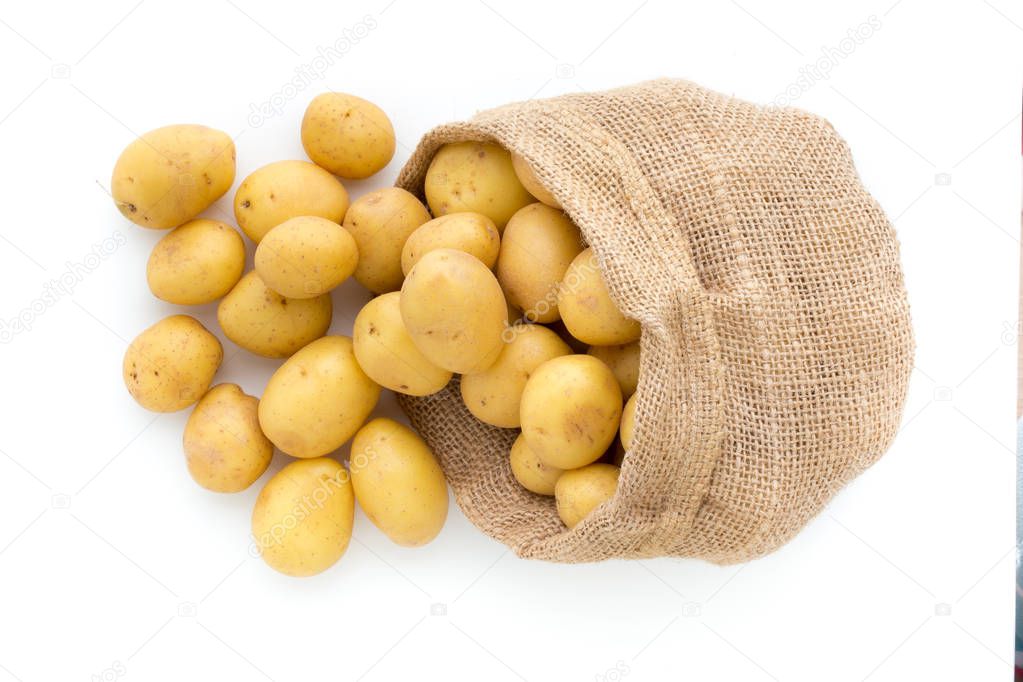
[[224, 448], [628, 427], [477, 177], [170, 365], [493, 395], [172, 174], [587, 309], [398, 482], [530, 472], [386, 353], [306, 256], [527, 177], [347, 135], [624, 363], [302, 522], [284, 190], [473, 233], [317, 399], [453, 309], [381, 221], [538, 245], [570, 410], [580, 491], [196, 263], [263, 322]]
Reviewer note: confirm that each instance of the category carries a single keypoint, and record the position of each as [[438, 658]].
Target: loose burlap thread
[[776, 345]]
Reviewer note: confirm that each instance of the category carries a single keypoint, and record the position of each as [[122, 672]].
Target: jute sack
[[776, 343]]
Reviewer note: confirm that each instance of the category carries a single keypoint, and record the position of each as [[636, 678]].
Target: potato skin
[[398, 482], [380, 222], [386, 353], [527, 177], [225, 450], [170, 365], [287, 189], [580, 491], [477, 177], [263, 322], [317, 399], [530, 471], [570, 410], [196, 263], [453, 309], [347, 135], [628, 428], [586, 307], [623, 360], [538, 246], [306, 256], [302, 521], [493, 395], [473, 233], [172, 174]]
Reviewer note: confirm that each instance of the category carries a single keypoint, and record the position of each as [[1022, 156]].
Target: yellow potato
[[538, 245], [453, 309], [628, 428], [224, 448], [317, 399], [570, 410], [347, 135], [530, 472], [302, 522], [263, 322], [624, 363], [386, 353], [381, 221], [284, 190], [528, 179], [170, 175], [493, 395], [587, 309], [558, 327], [398, 482], [306, 256], [196, 263], [580, 491], [473, 233], [477, 177], [171, 365]]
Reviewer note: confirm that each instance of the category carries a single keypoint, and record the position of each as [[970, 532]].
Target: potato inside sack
[[473, 233]]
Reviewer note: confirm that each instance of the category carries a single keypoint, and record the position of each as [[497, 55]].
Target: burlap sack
[[776, 342]]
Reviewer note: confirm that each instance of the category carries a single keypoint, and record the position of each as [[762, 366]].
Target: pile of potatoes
[[490, 280]]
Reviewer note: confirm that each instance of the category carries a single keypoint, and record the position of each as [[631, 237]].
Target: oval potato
[[347, 135], [623, 360], [380, 222], [196, 263], [306, 256], [628, 428], [473, 233], [586, 307], [580, 491], [530, 471], [287, 189], [170, 365], [528, 179]]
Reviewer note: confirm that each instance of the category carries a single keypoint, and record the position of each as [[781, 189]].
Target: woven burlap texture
[[776, 346]]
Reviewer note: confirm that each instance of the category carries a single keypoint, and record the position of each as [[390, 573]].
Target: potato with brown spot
[[306, 256], [586, 307], [530, 471], [170, 365], [473, 233], [196, 263], [380, 222], [580, 491], [347, 135]]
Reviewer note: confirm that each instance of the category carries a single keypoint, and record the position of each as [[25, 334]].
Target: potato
[[196, 263], [558, 327], [530, 472], [538, 245], [398, 482], [473, 233], [171, 365], [493, 395], [302, 522], [580, 491], [170, 175], [453, 309], [381, 221], [306, 256], [347, 135], [570, 410], [527, 177], [317, 399], [628, 428], [224, 448], [587, 309], [284, 190], [386, 353], [624, 363], [262, 321], [477, 177]]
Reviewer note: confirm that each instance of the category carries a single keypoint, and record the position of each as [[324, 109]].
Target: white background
[[113, 564]]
